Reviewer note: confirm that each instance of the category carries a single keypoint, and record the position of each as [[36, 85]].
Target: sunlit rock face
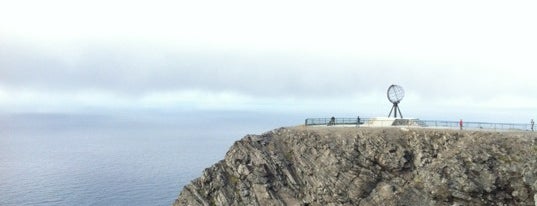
[[372, 166]]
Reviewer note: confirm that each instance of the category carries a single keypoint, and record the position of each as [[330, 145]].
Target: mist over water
[[116, 159]]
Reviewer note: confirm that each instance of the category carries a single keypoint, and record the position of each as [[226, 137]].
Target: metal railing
[[416, 122], [328, 121]]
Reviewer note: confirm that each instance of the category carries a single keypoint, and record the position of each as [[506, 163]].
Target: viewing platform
[[413, 122]]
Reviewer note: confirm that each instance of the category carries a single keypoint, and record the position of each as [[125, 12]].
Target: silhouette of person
[[332, 121], [460, 124], [532, 123]]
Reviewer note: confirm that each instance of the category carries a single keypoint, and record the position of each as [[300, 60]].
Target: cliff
[[372, 166]]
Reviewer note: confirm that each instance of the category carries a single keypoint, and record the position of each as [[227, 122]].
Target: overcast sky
[[455, 59]]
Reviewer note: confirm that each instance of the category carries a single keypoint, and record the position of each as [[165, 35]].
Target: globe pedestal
[[395, 109]]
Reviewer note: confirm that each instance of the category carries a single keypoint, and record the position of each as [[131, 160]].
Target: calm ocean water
[[120, 159]]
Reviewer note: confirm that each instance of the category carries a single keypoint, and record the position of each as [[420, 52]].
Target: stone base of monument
[[388, 121]]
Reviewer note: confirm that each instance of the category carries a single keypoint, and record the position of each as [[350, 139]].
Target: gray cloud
[[129, 70]]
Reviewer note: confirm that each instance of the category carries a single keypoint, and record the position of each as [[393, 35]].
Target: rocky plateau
[[372, 166]]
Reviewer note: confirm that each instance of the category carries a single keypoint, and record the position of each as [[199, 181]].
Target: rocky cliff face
[[372, 166]]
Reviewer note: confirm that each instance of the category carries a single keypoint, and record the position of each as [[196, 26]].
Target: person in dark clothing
[[332, 121], [532, 123], [460, 124]]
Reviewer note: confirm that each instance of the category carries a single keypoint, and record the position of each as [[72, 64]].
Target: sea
[[122, 158]]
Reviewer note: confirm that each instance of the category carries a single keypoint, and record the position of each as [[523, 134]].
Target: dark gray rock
[[372, 166]]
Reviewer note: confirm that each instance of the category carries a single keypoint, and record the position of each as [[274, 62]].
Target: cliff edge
[[372, 166]]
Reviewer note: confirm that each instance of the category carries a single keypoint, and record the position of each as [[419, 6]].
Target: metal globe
[[395, 93]]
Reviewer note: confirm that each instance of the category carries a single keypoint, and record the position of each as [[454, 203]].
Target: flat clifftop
[[372, 166]]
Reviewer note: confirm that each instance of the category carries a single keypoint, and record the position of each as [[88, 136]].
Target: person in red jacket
[[460, 124]]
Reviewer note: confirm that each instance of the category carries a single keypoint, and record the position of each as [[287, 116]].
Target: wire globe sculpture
[[395, 95]]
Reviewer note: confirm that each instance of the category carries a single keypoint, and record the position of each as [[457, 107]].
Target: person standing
[[332, 121], [532, 123], [460, 124]]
